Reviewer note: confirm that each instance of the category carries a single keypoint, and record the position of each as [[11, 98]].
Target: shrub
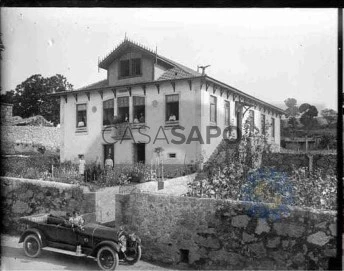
[[317, 189]]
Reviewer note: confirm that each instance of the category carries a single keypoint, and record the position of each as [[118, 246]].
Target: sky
[[272, 54]]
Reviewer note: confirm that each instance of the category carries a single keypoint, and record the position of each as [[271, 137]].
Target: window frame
[[76, 109], [145, 110], [227, 114], [117, 102], [273, 127], [263, 128], [210, 104], [113, 110], [172, 155], [172, 121], [131, 62]]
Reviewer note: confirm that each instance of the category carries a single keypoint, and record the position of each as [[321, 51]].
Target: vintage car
[[55, 233]]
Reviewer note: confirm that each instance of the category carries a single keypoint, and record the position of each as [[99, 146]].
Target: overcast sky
[[272, 54]]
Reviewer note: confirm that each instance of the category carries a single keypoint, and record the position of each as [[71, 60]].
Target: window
[[172, 155], [123, 109], [263, 124], [227, 113], [108, 111], [124, 69], [136, 66], [130, 67], [251, 120], [273, 127], [213, 105], [139, 109], [81, 115], [172, 107]]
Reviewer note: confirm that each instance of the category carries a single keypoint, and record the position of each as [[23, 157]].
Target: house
[[167, 109]]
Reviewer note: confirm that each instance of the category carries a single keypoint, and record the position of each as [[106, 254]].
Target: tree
[[330, 115], [328, 141], [30, 97], [309, 112], [292, 112], [292, 108]]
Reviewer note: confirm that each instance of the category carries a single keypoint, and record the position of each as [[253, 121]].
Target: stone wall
[[106, 202], [23, 197], [286, 161], [177, 230], [17, 139]]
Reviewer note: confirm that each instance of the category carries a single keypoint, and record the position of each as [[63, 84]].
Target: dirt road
[[13, 258]]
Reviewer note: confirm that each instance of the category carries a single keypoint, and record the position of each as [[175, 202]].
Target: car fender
[[40, 235], [112, 244]]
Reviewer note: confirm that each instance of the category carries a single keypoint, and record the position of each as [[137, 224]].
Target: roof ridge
[[144, 47]]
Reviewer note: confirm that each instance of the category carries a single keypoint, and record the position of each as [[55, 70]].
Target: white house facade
[[159, 104]]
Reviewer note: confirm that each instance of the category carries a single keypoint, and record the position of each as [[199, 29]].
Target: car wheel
[[107, 258], [32, 246], [133, 254]]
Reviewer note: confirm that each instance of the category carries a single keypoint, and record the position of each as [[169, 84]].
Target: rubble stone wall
[[17, 139], [106, 197], [24, 197], [186, 230]]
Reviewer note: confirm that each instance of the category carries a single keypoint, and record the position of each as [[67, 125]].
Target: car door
[[66, 235]]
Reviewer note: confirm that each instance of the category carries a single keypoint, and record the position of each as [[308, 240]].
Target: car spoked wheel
[[133, 254], [107, 258], [32, 246]]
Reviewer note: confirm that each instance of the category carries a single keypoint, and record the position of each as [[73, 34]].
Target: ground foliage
[[49, 168], [234, 172]]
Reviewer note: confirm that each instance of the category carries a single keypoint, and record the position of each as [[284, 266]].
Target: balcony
[[124, 131]]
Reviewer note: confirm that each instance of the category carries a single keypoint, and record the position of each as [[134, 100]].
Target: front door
[[109, 150], [140, 153]]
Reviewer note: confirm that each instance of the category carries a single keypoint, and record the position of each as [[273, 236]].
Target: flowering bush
[[317, 189], [125, 174], [227, 169]]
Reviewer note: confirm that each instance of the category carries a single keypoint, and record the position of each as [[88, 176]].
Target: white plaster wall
[[194, 111], [207, 149], [147, 69], [91, 143], [88, 143]]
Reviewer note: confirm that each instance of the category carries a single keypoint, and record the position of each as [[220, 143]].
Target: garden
[[235, 172], [47, 166]]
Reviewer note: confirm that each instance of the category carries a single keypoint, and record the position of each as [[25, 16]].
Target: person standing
[[82, 164], [108, 163]]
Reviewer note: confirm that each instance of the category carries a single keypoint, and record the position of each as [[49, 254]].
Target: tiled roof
[[99, 84], [174, 73], [112, 55]]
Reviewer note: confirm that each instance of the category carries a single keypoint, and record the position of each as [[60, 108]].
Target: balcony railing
[[123, 130]]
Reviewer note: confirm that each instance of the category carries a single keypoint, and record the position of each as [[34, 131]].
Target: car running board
[[58, 250]]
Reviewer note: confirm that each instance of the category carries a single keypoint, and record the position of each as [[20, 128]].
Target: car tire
[[32, 246], [107, 258], [136, 257]]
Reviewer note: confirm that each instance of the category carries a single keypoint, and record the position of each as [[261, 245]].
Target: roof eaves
[[63, 93], [246, 95]]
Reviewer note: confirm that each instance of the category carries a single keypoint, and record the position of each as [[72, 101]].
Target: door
[[140, 153], [109, 150]]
